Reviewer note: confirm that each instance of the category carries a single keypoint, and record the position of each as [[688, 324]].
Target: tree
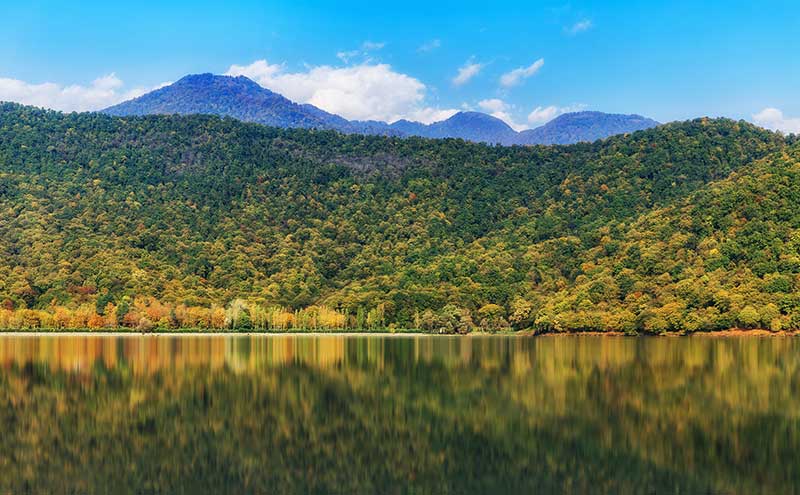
[[492, 317], [749, 317], [237, 316], [521, 313]]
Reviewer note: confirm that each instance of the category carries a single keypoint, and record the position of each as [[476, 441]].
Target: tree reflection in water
[[381, 414]]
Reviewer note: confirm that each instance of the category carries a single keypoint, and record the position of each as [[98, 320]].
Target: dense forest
[[204, 222]]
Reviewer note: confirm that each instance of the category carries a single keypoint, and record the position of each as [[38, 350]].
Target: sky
[[523, 61]]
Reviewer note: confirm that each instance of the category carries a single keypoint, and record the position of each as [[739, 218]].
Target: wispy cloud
[[467, 72], [430, 46], [366, 91], [362, 52], [347, 56], [579, 27], [774, 119], [372, 45], [516, 76]]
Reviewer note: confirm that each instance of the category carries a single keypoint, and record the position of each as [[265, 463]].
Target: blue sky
[[522, 61]]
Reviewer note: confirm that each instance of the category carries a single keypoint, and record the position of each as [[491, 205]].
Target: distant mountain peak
[[586, 126], [470, 115], [205, 76], [232, 96], [471, 126], [210, 79], [593, 114], [472, 118]]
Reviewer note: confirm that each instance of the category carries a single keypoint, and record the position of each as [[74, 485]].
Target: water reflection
[[367, 414]]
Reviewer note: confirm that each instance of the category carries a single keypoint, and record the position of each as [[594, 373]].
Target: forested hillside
[[200, 221]]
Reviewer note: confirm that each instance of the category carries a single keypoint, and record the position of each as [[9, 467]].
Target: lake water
[[381, 414]]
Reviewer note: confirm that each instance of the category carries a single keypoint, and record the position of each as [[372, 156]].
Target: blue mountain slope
[[584, 126], [472, 126]]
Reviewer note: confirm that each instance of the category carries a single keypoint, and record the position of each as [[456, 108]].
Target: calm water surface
[[353, 414]]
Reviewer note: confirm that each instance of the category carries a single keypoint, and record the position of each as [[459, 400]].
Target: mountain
[[243, 99], [197, 221], [568, 128], [471, 126], [239, 98], [236, 97], [584, 126]]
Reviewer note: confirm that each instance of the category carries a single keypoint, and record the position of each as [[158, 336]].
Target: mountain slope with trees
[[208, 222]]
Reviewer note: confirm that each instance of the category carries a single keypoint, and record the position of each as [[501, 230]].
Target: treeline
[[146, 314], [688, 226]]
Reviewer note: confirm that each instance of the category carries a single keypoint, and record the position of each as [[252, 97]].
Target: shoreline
[[122, 333], [734, 332]]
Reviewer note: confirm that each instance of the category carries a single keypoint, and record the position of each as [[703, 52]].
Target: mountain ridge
[[241, 98]]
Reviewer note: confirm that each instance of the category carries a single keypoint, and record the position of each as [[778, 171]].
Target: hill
[[201, 221], [245, 100]]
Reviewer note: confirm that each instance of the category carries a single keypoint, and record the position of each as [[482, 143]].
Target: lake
[[389, 414]]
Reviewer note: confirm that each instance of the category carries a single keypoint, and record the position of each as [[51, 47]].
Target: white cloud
[[428, 115], [772, 118], [258, 71], [493, 105], [514, 77], [101, 93], [501, 110], [579, 27], [362, 92], [430, 45], [363, 52], [543, 115], [372, 45], [346, 57], [467, 72]]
